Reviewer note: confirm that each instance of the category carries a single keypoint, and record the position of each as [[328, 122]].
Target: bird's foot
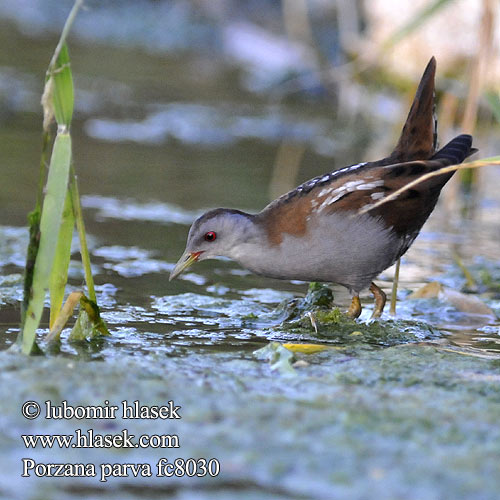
[[355, 308], [380, 298]]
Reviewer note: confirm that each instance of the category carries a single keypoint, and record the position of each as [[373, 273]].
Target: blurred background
[[185, 105], [188, 89]]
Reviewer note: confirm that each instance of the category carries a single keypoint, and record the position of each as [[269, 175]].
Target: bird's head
[[217, 233]]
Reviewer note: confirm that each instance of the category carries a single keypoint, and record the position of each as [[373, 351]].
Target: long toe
[[355, 308], [380, 298]]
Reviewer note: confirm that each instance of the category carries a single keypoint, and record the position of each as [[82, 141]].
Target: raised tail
[[419, 135], [456, 151]]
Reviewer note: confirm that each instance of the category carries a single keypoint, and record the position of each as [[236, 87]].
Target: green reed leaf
[[62, 90], [59, 274], [50, 223]]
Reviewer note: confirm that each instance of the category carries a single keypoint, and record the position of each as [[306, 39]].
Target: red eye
[[210, 236]]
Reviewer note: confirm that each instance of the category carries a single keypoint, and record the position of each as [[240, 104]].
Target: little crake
[[315, 233]]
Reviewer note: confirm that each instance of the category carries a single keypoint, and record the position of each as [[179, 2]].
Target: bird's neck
[[250, 243]]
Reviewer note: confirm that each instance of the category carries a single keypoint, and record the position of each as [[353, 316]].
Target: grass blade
[[394, 293], [50, 223], [63, 89], [484, 162], [34, 226], [59, 274], [64, 315], [84, 251], [34, 240]]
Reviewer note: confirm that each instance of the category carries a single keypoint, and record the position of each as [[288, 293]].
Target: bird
[[322, 231]]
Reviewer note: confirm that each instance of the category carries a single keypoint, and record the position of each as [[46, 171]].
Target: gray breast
[[341, 247]]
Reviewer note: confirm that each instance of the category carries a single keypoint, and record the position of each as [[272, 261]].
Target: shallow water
[[404, 408]]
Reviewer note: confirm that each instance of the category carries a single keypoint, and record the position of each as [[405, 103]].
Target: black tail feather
[[457, 150]]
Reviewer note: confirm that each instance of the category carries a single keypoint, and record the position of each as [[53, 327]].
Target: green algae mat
[[410, 421]]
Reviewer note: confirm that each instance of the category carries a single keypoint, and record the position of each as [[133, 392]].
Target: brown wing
[[407, 213], [410, 210], [360, 187]]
